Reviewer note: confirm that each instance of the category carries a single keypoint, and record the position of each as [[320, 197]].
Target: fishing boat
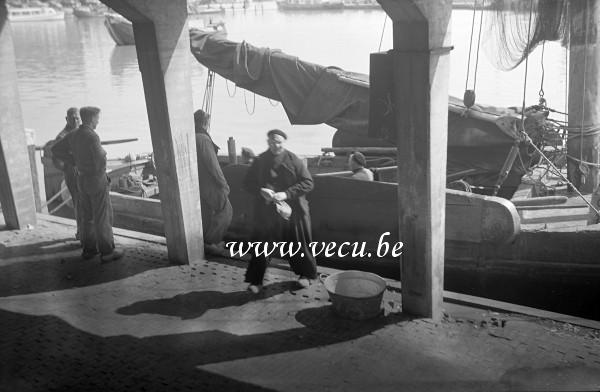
[[90, 11], [489, 251], [309, 5], [205, 9], [361, 5], [34, 14], [121, 30]]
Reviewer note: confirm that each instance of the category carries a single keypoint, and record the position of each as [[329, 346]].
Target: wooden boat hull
[[486, 252], [470, 217], [119, 29]]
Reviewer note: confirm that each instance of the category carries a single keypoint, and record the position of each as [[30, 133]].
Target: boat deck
[[143, 324]]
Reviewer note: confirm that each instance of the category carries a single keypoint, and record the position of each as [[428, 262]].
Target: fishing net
[[510, 36]]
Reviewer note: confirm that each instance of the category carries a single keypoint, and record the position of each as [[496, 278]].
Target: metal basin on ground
[[355, 295]]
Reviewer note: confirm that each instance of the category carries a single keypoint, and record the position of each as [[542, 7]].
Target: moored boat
[[309, 5], [34, 14], [90, 11], [361, 5], [121, 30], [205, 9]]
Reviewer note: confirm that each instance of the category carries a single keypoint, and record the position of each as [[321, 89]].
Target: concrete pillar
[[421, 40], [584, 86], [163, 50], [16, 187]]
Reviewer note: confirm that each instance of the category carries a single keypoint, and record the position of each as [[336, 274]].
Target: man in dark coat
[[69, 172], [82, 148], [217, 211], [279, 180]]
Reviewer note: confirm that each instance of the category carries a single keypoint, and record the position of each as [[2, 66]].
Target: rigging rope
[[469, 96], [234, 89], [470, 46], [542, 100], [582, 168], [207, 100], [250, 112], [526, 69], [382, 31], [528, 139], [478, 44]]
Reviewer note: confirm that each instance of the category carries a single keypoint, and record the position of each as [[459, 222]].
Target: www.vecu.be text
[[328, 249]]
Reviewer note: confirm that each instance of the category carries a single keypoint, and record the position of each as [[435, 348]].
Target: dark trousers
[[96, 220], [297, 229], [71, 182]]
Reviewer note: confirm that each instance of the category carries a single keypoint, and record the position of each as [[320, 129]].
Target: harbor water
[[74, 62]]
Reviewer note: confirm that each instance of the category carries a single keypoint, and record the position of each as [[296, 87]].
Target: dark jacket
[[213, 186], [282, 173], [83, 149]]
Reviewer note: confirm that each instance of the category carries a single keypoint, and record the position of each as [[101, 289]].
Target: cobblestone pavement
[[141, 324]]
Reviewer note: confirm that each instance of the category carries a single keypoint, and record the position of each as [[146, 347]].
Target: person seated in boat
[[69, 173], [278, 181], [357, 163], [216, 209]]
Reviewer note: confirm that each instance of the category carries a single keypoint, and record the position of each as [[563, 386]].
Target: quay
[[142, 324], [167, 317]]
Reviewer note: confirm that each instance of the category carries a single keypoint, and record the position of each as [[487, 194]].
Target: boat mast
[[584, 85]]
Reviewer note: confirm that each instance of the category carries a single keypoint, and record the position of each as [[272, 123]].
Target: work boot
[[114, 255], [304, 282], [254, 288]]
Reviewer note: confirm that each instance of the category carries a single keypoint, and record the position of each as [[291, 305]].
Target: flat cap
[[279, 132]]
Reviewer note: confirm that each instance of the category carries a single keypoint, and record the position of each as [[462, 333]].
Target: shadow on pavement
[[46, 353], [195, 304], [61, 273]]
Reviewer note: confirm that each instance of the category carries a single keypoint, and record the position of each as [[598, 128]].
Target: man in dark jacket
[[279, 180], [70, 175], [217, 211], [82, 148]]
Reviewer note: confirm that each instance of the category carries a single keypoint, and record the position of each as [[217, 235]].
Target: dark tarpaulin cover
[[309, 93], [314, 94]]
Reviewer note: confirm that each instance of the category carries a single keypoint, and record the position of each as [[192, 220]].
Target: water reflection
[[123, 61]]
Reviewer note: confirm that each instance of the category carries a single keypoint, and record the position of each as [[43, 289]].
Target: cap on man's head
[[359, 158], [274, 132], [87, 113], [201, 119]]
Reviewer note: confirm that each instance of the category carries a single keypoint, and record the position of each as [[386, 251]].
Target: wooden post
[[16, 187], [584, 87], [163, 50], [34, 178], [421, 61], [232, 151]]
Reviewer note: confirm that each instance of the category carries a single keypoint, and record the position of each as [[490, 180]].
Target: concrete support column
[[421, 69], [584, 86], [163, 50], [16, 187]]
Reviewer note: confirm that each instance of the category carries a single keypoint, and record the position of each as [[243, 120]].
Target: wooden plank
[[553, 215]]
